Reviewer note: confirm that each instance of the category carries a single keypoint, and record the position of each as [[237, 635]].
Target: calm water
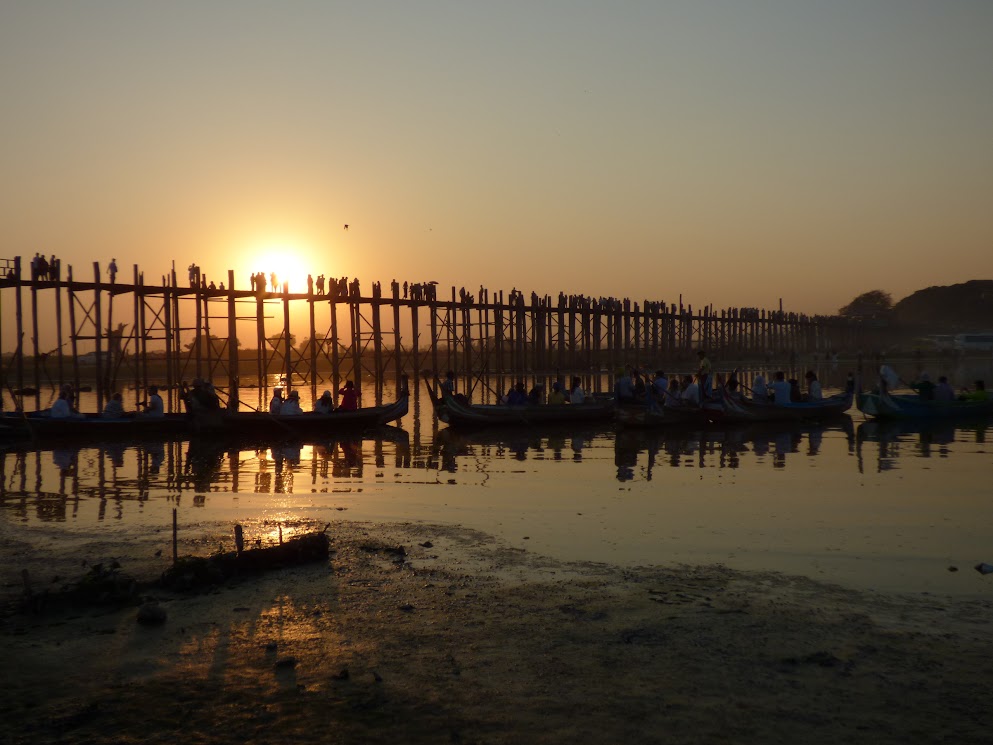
[[856, 502]]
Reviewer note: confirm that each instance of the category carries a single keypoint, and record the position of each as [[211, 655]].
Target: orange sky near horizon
[[732, 153]]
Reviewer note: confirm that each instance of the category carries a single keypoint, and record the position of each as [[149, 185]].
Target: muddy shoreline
[[464, 639]]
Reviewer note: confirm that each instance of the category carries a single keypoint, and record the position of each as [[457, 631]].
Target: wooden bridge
[[123, 334]]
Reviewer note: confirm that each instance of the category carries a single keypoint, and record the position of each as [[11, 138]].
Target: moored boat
[[306, 424], [749, 410], [38, 424], [911, 406], [454, 412]]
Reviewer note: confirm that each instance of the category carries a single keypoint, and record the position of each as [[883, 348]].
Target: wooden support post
[[58, 322], [35, 350], [415, 332], [397, 345], [313, 339], [377, 338], [234, 374], [97, 335], [139, 348], [262, 355], [19, 318], [287, 347], [335, 362]]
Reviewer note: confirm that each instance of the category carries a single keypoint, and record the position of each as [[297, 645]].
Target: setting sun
[[288, 262]]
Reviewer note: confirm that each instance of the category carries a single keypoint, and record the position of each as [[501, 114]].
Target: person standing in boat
[[291, 406], [325, 404], [276, 404], [349, 397], [813, 387]]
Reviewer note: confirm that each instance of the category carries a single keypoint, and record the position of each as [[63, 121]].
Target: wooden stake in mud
[[175, 545]]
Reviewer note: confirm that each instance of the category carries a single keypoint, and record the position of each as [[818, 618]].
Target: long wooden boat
[[310, 424], [40, 424], [911, 406], [453, 412], [748, 410]]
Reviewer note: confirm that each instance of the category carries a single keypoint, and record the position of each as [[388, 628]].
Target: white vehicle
[[978, 342]]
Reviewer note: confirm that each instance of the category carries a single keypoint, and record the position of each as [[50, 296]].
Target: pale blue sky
[[735, 152]]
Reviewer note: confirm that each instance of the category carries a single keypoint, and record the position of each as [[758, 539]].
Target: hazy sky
[[734, 151]]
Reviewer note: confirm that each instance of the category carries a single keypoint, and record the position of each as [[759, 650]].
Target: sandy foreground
[[464, 640]]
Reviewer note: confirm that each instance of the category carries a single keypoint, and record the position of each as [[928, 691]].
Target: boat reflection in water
[[52, 479], [549, 441], [722, 446], [886, 441]]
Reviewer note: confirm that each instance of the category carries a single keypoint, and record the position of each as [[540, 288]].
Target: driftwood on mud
[[108, 585], [193, 572]]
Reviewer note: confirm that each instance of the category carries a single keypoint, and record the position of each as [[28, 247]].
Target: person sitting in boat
[[760, 392], [943, 391], [660, 385], [349, 397], [536, 395], [448, 389], [796, 395], [556, 397], [733, 389], [577, 395], [979, 394], [62, 409], [276, 404], [704, 371], [291, 406], [325, 404], [924, 387], [624, 387], [156, 406], [202, 397], [690, 393], [517, 396], [672, 394], [448, 384], [813, 387], [638, 383], [780, 389], [114, 408]]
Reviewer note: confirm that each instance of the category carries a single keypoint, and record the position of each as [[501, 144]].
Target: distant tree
[[277, 340], [872, 304], [216, 344]]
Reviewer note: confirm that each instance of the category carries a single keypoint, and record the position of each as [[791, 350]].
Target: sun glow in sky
[[290, 260], [732, 152]]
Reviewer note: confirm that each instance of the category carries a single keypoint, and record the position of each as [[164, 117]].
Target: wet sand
[[463, 639]]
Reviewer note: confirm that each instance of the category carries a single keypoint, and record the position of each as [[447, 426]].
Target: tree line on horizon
[[967, 306]]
